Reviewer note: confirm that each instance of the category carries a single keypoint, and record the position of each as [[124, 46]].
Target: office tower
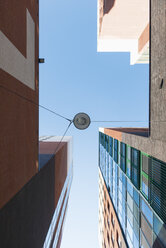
[[124, 27], [34, 188], [132, 192]]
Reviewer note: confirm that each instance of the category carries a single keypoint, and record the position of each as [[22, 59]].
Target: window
[[160, 229], [123, 157], [157, 196], [145, 163], [130, 230], [130, 201], [146, 229], [111, 146], [116, 150], [144, 174], [136, 197], [108, 221], [129, 188], [128, 161], [119, 155], [130, 216], [147, 211], [108, 238], [144, 185], [118, 239], [112, 238], [136, 212], [112, 220], [135, 168], [108, 206], [144, 242], [128, 169], [136, 229], [136, 242]]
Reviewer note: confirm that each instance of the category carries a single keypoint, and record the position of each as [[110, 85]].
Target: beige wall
[[120, 26]]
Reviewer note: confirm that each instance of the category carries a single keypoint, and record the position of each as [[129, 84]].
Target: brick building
[[34, 180]]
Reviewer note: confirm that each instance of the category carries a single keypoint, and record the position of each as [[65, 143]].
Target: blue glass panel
[[136, 197], [130, 230], [144, 189], [130, 243], [129, 188], [146, 211], [136, 242], [120, 185]]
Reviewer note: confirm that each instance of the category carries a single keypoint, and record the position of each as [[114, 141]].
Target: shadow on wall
[[108, 5]]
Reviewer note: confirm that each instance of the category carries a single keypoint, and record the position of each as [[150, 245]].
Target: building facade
[[35, 177], [34, 217], [132, 162], [19, 69], [124, 27], [132, 184]]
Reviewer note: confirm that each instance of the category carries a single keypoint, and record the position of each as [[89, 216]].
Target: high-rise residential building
[[132, 163], [123, 26], [35, 177]]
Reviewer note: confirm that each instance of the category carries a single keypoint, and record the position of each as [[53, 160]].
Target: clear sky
[[75, 78]]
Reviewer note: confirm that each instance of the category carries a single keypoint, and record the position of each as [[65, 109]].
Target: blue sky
[[75, 78]]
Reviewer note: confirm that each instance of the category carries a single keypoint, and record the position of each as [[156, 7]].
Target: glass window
[[144, 186], [160, 229], [135, 156], [136, 242], [135, 177], [111, 145], [120, 185], [116, 150], [146, 229], [130, 201], [129, 169], [136, 229], [146, 211], [136, 197], [130, 243], [130, 216], [130, 230], [123, 157], [120, 196], [129, 188], [136, 212], [144, 243], [145, 164], [120, 207]]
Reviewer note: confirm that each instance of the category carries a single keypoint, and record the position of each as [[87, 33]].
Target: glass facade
[[131, 180]]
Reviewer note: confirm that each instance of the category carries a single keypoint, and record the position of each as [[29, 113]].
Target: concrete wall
[[19, 38]]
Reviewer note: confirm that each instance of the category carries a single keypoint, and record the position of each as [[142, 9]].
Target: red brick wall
[[18, 117], [110, 228]]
